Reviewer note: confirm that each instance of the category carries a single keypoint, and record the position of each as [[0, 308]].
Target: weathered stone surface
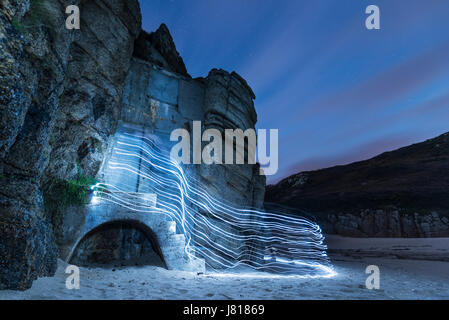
[[31, 79], [228, 104], [90, 104], [59, 94], [387, 223], [222, 101], [158, 48], [402, 193], [79, 224], [157, 101], [27, 247]]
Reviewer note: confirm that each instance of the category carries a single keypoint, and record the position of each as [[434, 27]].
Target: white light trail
[[227, 237]]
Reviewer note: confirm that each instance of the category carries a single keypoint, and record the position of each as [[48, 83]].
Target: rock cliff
[[403, 193], [159, 49], [61, 96]]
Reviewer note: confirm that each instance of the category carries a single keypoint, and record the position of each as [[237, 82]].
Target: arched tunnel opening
[[118, 244]]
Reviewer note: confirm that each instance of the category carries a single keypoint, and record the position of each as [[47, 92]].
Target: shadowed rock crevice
[[158, 48], [118, 243]]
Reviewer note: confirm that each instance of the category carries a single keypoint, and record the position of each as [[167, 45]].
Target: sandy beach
[[409, 269]]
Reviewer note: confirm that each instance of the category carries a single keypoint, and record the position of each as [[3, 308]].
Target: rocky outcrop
[[228, 104], [390, 222], [60, 94], [221, 101], [402, 193], [31, 80], [158, 100], [159, 49], [63, 93], [89, 106]]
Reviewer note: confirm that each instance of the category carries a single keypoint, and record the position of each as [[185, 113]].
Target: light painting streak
[[228, 238]]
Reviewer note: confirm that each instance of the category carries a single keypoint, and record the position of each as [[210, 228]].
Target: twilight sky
[[336, 91]]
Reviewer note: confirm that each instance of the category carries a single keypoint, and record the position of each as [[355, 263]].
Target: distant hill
[[402, 193]]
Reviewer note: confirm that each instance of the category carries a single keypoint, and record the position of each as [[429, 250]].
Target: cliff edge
[[61, 94], [402, 193]]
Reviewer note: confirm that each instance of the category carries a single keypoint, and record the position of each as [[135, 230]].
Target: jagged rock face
[[160, 101], [229, 104], [59, 91], [221, 101], [61, 96], [96, 70], [31, 80], [158, 48], [402, 193], [388, 223]]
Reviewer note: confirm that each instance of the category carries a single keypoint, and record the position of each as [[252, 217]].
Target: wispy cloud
[[335, 91]]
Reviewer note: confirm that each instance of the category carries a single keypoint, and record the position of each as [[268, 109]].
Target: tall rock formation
[[159, 49], [62, 93], [402, 193], [229, 104], [164, 97], [160, 99]]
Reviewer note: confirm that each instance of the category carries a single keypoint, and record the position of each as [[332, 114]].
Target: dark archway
[[118, 243]]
